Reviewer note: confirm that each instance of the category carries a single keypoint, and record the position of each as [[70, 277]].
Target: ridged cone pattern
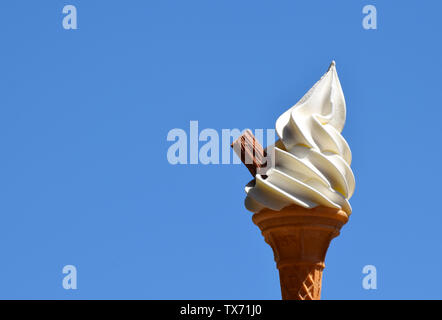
[[302, 282], [300, 238]]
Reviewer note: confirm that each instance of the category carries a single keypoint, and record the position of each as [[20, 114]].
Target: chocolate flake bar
[[250, 151]]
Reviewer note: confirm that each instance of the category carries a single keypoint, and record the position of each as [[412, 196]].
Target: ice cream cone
[[300, 238]]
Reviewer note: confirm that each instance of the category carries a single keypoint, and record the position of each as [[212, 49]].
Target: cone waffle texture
[[300, 238]]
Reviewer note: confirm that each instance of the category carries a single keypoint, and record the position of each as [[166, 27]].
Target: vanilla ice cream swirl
[[311, 161]]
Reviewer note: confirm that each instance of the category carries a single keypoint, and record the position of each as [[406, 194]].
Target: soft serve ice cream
[[311, 161]]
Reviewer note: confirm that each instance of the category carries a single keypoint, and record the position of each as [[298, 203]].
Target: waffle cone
[[300, 238]]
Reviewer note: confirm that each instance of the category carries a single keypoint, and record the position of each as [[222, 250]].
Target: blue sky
[[84, 116]]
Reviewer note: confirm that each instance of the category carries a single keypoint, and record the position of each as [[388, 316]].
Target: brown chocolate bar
[[250, 151]]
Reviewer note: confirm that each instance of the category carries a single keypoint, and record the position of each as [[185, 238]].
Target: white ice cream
[[312, 159]]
